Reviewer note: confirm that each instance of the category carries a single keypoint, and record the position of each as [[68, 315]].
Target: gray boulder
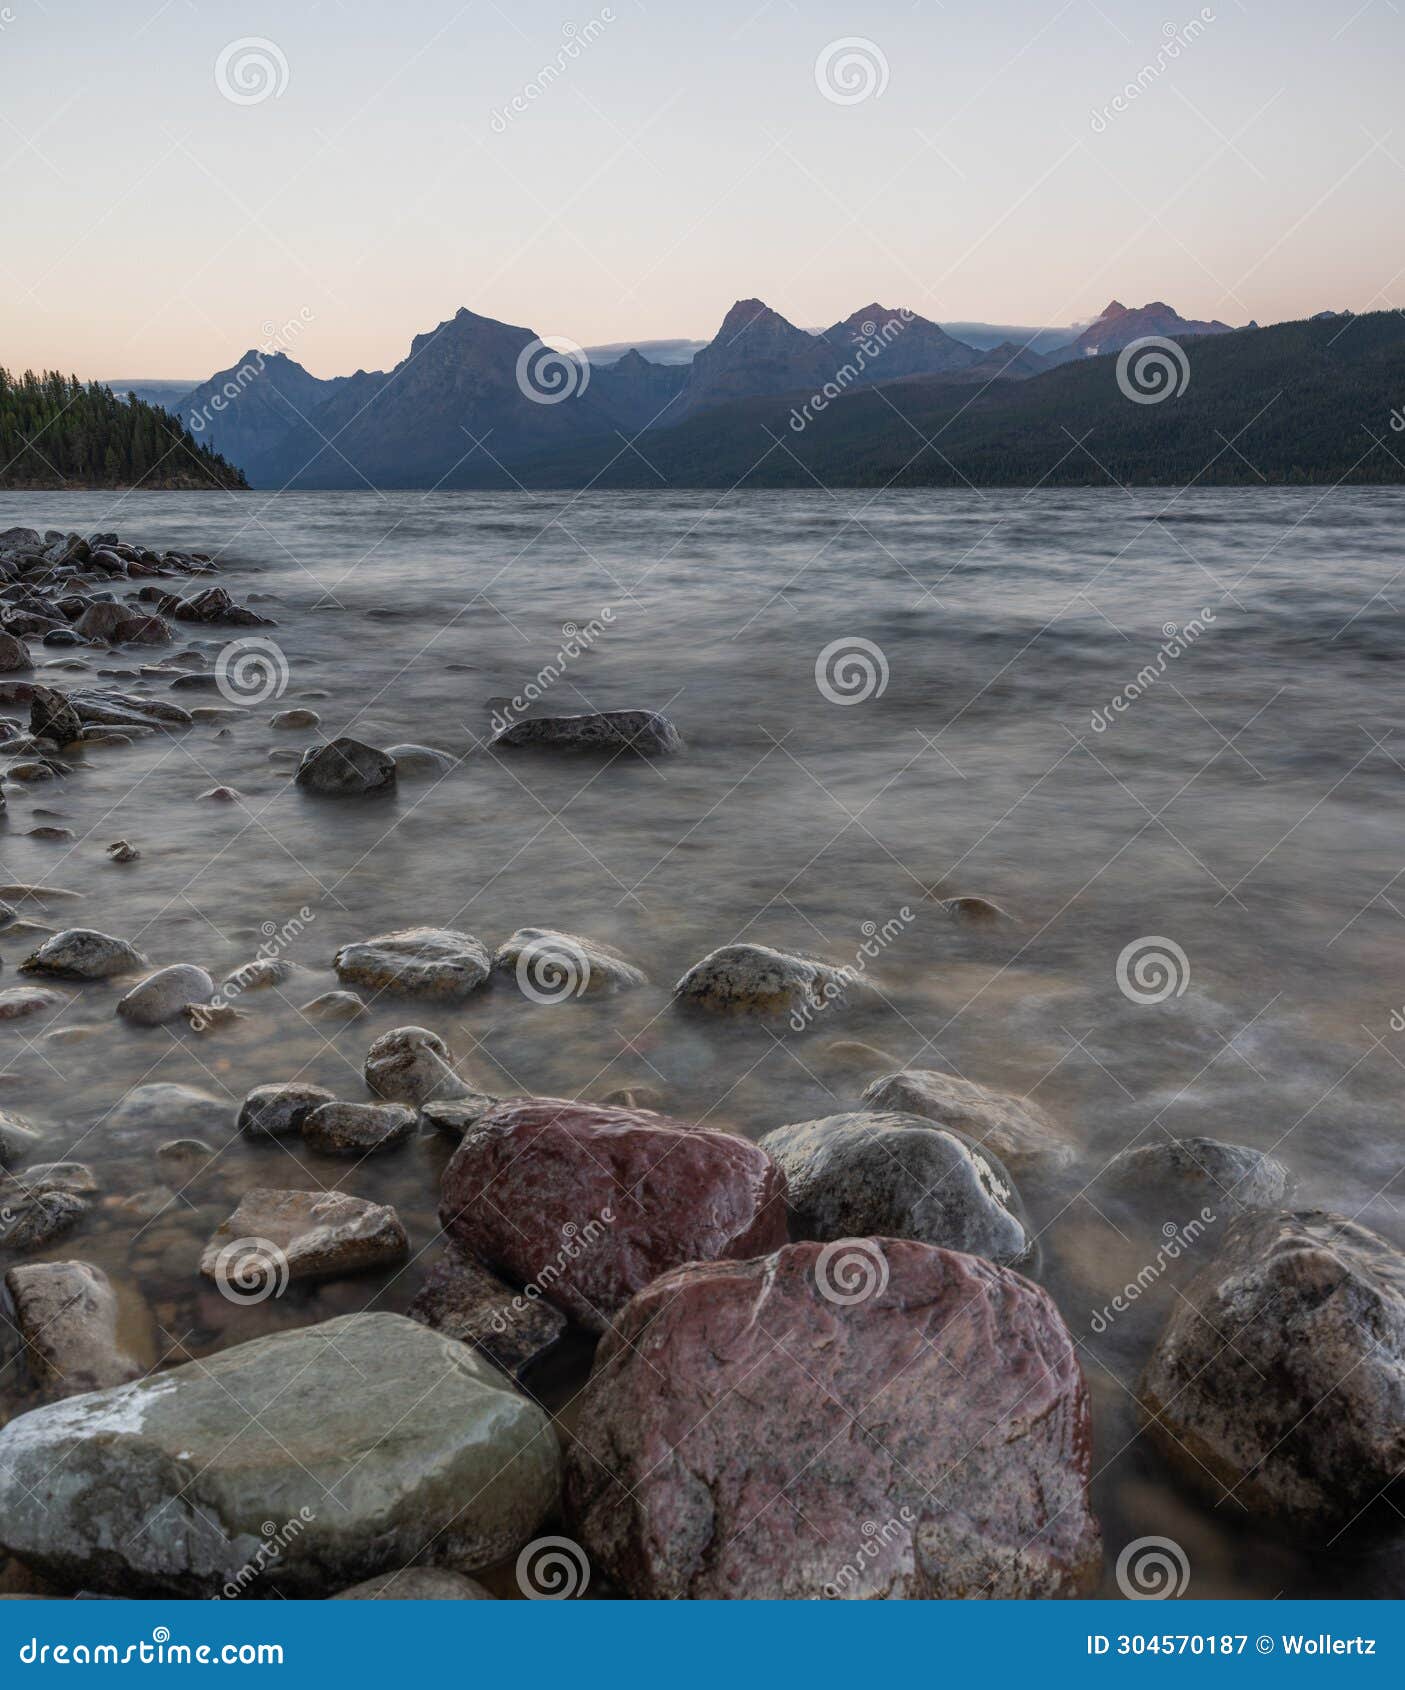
[[277, 1236], [278, 1111], [67, 1317], [463, 1300], [647, 733], [357, 1129], [423, 962], [1280, 1377], [345, 768], [899, 1176], [413, 1065], [164, 995], [759, 981], [82, 953], [378, 1440], [550, 966], [164, 1107], [17, 1139], [1195, 1173], [1019, 1132]]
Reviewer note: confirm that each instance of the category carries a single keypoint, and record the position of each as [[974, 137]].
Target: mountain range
[[475, 396]]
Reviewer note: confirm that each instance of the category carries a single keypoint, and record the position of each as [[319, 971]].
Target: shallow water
[[1245, 806]]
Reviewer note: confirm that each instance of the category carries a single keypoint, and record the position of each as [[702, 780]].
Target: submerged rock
[[1280, 1377], [17, 1139], [165, 1107], [345, 768], [756, 980], [742, 1423], [66, 1313], [645, 732], [334, 1006], [32, 1217], [1019, 1132], [413, 1065], [412, 761], [1191, 1172], [19, 1001], [899, 1176], [380, 1441], [591, 1203], [276, 1236], [164, 996], [278, 1111], [82, 953], [424, 962], [550, 966], [461, 1299], [357, 1129]]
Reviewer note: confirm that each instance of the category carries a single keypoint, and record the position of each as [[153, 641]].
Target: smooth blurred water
[[1245, 806]]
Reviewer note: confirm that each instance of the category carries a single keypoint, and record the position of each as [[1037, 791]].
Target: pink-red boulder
[[583, 1205], [870, 1418]]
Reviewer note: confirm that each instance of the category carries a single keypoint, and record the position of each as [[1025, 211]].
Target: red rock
[[745, 1434], [588, 1204]]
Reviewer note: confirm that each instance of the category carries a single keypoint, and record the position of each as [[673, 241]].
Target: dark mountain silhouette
[[1119, 325], [756, 351], [247, 411], [1307, 402], [638, 394], [907, 345]]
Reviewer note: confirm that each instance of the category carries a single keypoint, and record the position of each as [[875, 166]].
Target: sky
[[182, 180]]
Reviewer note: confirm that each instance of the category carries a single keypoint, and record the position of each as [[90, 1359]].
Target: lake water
[[1241, 807]]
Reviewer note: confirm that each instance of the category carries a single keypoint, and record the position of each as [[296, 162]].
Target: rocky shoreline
[[823, 1362]]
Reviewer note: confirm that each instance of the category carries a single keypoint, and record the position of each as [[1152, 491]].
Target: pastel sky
[[684, 156]]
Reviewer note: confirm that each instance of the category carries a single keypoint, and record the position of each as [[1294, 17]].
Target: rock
[[30, 773], [334, 1006], [417, 760], [463, 1300], [20, 1001], [163, 996], [423, 962], [1280, 1377], [205, 1017], [282, 1235], [219, 795], [357, 1129], [454, 1119], [294, 719], [17, 1139], [1019, 1132], [122, 852], [635, 1097], [413, 1065], [345, 768], [550, 966], [855, 1055], [975, 911], [417, 1584], [742, 1423], [165, 1108], [589, 1204], [82, 953], [380, 1441], [66, 1313], [14, 655], [899, 1176], [182, 1161], [31, 1219], [76, 1177], [644, 732], [258, 975], [1197, 1172], [278, 1111], [756, 980], [52, 716]]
